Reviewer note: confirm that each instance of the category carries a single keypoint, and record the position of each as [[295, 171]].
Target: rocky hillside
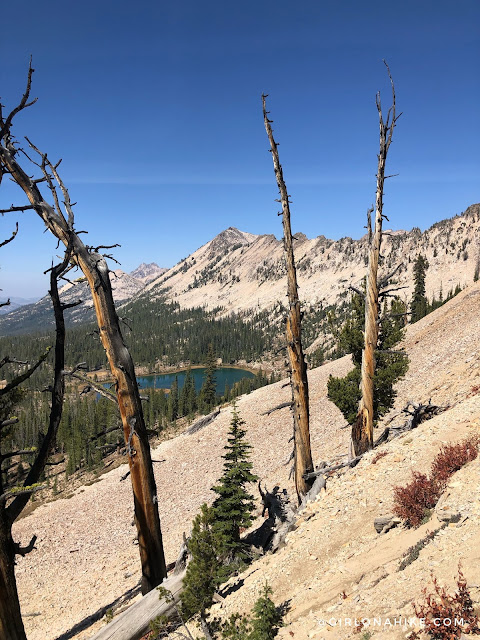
[[239, 271], [32, 317], [243, 272], [14, 303], [334, 565]]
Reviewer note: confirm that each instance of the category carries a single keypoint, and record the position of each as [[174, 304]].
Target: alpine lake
[[223, 375]]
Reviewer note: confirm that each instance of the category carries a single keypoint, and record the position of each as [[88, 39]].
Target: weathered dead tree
[[134, 623], [281, 519], [93, 264], [201, 423], [418, 414], [303, 463], [13, 500], [362, 429]]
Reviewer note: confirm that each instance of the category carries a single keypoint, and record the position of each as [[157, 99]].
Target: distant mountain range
[[14, 303], [38, 315], [239, 272]]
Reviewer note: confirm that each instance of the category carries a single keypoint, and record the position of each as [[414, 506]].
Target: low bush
[[415, 499], [447, 615], [379, 456], [453, 457], [413, 502]]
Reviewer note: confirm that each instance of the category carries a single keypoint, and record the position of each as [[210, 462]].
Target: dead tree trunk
[[95, 268], [11, 625], [362, 430], [298, 369]]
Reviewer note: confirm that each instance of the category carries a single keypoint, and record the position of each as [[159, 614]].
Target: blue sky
[[155, 109]]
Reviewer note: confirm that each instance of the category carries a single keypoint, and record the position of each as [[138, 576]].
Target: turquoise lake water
[[224, 375]]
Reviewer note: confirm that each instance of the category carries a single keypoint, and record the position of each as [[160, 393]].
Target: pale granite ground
[[86, 555]]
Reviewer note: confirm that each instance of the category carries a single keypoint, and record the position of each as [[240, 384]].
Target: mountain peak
[[147, 272], [230, 237]]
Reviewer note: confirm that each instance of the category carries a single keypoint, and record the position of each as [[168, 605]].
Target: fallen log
[[335, 467], [283, 405], [203, 422], [134, 623]]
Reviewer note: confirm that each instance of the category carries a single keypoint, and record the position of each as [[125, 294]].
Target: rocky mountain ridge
[[242, 272]]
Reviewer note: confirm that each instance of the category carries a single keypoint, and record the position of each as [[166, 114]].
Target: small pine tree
[[266, 617], [203, 571], [262, 625], [390, 367], [208, 393], [234, 505], [236, 627], [188, 397], [173, 401], [419, 303]]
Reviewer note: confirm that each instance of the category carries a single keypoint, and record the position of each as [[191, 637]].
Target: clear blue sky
[[155, 109]]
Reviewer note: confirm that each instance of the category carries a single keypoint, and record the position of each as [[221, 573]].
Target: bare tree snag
[[134, 623], [11, 625], [61, 223], [298, 369], [362, 429]]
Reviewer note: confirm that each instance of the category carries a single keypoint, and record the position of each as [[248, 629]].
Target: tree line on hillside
[[159, 333], [90, 426], [420, 306]]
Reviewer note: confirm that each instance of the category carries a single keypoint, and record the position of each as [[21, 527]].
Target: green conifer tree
[[208, 392], [419, 303], [266, 618], [226, 393], [187, 403], [262, 625], [203, 571], [390, 367], [172, 408], [234, 505]]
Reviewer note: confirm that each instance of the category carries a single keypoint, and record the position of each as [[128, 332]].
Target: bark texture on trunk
[[303, 463], [362, 429], [96, 271], [11, 625]]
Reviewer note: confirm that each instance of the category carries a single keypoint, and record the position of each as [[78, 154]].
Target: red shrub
[[451, 458], [379, 456], [412, 501], [443, 612]]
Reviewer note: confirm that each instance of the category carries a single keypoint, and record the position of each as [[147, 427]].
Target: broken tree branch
[[25, 375], [283, 405], [12, 237]]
